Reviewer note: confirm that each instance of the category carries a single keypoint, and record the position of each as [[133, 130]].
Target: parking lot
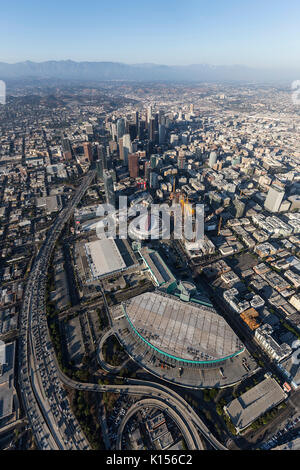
[[287, 433]]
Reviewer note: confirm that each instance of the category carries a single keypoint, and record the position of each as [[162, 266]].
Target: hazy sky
[[263, 33]]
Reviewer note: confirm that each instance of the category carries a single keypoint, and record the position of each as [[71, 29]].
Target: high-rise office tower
[[120, 128], [99, 169], [127, 147], [161, 134], [121, 149], [134, 146], [113, 175], [114, 133], [113, 147], [109, 188], [141, 129], [133, 165], [88, 154], [149, 114], [101, 151], [161, 117], [156, 132], [162, 120], [132, 130], [154, 161], [109, 163], [152, 130], [136, 119], [274, 198], [67, 149], [167, 122], [153, 180], [191, 108], [239, 208], [184, 138], [148, 146], [147, 169], [174, 138], [212, 159], [181, 160], [101, 127], [101, 163]]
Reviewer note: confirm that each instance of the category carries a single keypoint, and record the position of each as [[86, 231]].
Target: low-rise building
[[293, 277], [263, 336], [295, 301], [252, 404], [250, 317], [265, 249]]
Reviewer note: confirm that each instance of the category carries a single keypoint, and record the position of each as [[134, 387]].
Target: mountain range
[[68, 69]]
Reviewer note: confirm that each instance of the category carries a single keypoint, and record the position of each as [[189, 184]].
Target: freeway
[[103, 364], [157, 391], [44, 399], [177, 401], [189, 436], [178, 411]]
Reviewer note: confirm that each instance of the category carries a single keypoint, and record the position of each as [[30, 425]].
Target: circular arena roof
[[144, 227], [183, 331]]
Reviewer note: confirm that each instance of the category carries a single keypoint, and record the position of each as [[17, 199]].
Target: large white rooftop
[[255, 402], [183, 330], [104, 257]]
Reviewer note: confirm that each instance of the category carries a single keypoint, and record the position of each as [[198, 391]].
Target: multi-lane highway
[[189, 434], [157, 391], [44, 398]]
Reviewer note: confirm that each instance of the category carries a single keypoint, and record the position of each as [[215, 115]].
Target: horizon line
[[98, 61]]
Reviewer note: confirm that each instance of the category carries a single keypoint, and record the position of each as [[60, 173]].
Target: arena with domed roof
[[182, 339], [186, 332]]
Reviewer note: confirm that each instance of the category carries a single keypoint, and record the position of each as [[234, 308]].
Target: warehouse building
[[245, 409], [157, 268], [107, 257], [7, 390]]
